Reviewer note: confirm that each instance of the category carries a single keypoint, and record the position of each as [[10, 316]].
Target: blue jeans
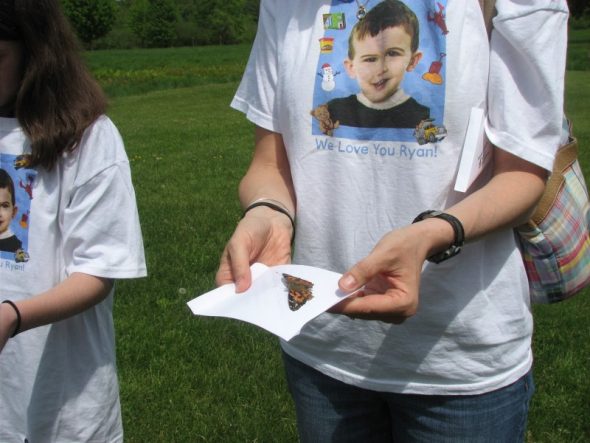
[[329, 410]]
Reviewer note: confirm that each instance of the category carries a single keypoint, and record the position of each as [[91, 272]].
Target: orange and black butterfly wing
[[299, 291]]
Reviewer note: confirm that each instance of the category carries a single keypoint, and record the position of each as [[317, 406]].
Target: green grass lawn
[[136, 71], [186, 378], [191, 379]]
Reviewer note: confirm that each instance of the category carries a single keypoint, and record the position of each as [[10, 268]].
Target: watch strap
[[458, 242]]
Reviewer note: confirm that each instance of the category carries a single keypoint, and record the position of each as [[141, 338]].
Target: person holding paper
[[437, 346]]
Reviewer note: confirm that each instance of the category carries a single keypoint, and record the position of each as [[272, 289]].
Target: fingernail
[[348, 281], [239, 285]]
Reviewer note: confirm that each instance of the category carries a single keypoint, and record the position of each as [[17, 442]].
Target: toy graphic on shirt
[[24, 220], [326, 45], [328, 74], [22, 161], [433, 75], [336, 21], [439, 19], [28, 187], [299, 291], [322, 114], [21, 256], [428, 132]]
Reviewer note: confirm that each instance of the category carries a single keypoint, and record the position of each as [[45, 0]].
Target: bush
[[581, 21]]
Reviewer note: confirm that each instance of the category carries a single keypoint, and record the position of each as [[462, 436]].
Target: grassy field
[[191, 379]]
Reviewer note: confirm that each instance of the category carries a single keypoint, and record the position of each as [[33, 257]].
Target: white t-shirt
[[356, 182], [59, 382]]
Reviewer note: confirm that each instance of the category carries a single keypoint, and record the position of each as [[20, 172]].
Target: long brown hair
[[58, 98]]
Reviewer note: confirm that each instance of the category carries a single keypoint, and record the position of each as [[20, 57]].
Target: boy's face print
[[11, 60], [7, 210], [380, 62]]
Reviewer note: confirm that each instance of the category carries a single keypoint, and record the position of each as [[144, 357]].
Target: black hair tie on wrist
[[275, 207], [18, 318]]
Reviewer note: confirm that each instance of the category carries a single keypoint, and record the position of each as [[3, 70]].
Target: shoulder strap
[[488, 7]]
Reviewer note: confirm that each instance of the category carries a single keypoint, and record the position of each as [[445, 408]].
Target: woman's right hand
[[264, 236]]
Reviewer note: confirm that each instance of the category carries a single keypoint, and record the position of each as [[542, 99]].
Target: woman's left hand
[[390, 275]]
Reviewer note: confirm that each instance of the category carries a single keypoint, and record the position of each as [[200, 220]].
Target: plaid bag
[[555, 244]]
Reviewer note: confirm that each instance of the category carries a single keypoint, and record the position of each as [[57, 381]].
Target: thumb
[[234, 268], [355, 278]]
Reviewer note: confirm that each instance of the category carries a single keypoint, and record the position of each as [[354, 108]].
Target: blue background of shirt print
[[23, 202], [432, 44]]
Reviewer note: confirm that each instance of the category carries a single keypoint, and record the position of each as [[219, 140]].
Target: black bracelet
[[277, 208], [457, 244], [17, 329]]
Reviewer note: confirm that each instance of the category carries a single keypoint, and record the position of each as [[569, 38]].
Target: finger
[[234, 266], [388, 308]]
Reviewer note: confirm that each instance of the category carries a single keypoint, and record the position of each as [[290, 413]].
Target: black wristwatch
[[457, 244]]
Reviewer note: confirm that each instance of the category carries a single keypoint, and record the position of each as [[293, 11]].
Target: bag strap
[[566, 156], [488, 8]]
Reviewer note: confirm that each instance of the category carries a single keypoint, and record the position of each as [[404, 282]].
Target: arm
[[263, 235], [269, 174], [72, 296], [391, 272], [508, 200]]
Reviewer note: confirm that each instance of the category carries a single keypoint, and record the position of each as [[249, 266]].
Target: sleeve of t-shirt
[[526, 84], [100, 225], [257, 92]]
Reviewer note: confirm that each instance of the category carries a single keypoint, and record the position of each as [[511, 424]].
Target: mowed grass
[[191, 379], [186, 378], [136, 71]]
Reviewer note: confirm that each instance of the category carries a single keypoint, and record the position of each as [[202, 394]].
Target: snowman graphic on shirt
[[328, 77]]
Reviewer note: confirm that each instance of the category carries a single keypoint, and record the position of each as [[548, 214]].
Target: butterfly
[[299, 291]]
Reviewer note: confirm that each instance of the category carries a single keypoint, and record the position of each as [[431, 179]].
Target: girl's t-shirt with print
[[59, 382], [369, 151]]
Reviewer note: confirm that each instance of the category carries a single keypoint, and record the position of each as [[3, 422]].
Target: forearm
[[266, 232], [269, 175], [507, 200], [72, 296]]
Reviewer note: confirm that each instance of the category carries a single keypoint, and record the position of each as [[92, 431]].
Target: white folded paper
[[268, 302], [476, 153]]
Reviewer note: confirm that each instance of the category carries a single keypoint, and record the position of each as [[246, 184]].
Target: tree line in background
[[107, 24]]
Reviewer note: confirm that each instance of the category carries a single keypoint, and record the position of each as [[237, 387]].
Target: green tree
[[216, 21], [227, 21], [224, 21], [91, 19], [251, 9], [153, 22], [578, 7]]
